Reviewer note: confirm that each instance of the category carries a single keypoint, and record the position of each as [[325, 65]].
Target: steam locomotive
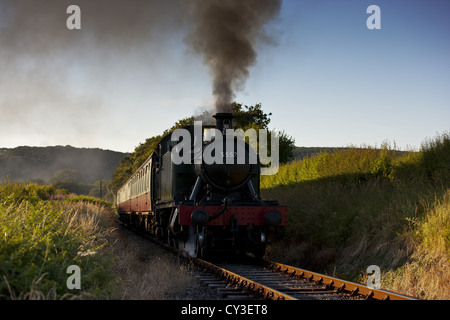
[[201, 206]]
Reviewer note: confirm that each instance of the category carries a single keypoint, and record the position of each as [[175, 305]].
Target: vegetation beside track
[[348, 209], [357, 207], [40, 237]]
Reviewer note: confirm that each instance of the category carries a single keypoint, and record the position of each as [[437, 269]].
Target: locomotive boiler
[[210, 201]]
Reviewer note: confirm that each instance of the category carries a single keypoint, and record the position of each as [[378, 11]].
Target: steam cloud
[[47, 70], [226, 33], [55, 81]]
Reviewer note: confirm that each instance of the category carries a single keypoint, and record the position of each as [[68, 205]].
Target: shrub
[[40, 239]]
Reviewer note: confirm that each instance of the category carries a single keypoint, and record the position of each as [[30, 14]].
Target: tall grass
[[357, 207], [344, 165], [40, 239], [427, 274]]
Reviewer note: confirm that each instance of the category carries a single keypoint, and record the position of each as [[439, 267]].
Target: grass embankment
[[40, 238], [364, 206]]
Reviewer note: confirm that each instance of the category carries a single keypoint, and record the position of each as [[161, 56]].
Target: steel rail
[[243, 282], [339, 284]]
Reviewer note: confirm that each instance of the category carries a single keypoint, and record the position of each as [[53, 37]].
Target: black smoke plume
[[226, 33]]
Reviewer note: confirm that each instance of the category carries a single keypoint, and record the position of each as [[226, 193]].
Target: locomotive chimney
[[224, 121]]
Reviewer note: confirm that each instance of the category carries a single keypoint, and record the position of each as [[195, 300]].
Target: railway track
[[253, 281], [265, 280], [274, 281]]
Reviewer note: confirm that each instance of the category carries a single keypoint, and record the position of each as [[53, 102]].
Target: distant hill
[[41, 163]]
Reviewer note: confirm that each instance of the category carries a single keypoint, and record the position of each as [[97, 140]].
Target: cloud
[[54, 79]]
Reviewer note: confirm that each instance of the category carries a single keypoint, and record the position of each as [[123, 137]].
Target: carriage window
[[146, 178]]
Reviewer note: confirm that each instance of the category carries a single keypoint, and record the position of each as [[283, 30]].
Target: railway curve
[[262, 279]]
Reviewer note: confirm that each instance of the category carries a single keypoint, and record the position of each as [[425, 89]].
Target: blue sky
[[328, 80], [338, 83]]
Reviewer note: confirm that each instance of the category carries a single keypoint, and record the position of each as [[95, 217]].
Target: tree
[[249, 116], [66, 175], [122, 172], [246, 117], [286, 147]]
